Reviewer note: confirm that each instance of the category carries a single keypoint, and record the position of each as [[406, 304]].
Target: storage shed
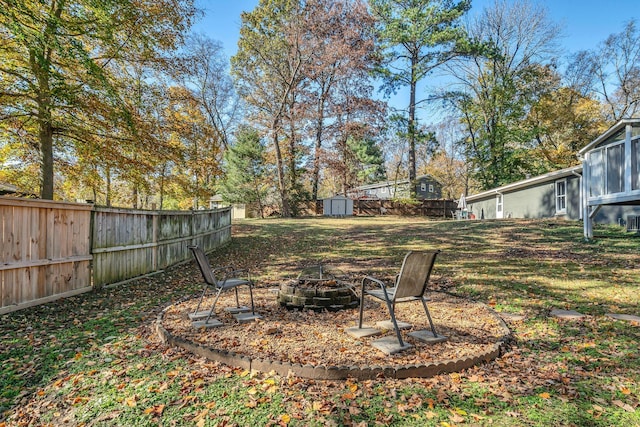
[[337, 206], [611, 171]]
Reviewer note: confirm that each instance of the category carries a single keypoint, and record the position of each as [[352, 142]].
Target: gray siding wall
[[615, 214], [538, 201], [484, 208], [437, 189]]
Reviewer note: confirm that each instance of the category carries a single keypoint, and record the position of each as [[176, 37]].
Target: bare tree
[[615, 66], [204, 69], [496, 88]]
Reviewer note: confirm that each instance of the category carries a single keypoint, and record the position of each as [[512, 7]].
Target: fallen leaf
[[131, 401], [623, 405], [544, 395], [154, 410], [455, 417], [285, 418]]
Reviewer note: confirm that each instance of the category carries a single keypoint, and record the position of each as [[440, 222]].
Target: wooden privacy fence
[[52, 250], [46, 251], [433, 208], [129, 243]]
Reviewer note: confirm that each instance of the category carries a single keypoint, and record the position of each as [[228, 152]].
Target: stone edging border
[[322, 372]]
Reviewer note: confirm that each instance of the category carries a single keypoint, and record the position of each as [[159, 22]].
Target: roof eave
[[527, 182], [612, 130]]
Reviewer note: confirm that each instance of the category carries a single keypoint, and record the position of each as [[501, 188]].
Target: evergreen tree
[[416, 36], [245, 170], [367, 162]]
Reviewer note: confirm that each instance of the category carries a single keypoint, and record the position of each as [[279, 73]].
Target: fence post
[[154, 232]]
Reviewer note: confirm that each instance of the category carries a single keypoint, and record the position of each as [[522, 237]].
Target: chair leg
[[204, 291], [253, 311], [361, 306], [392, 312], [213, 307], [237, 300], [426, 310]]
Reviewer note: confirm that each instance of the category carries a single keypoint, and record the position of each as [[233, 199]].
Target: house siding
[[399, 189], [539, 201]]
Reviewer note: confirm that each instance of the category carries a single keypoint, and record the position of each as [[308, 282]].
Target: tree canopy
[[58, 87], [116, 101]]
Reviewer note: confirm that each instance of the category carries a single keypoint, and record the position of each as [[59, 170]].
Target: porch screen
[[615, 169], [596, 183], [635, 164]]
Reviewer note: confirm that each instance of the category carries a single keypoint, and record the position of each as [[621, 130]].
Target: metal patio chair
[[410, 285], [220, 279]]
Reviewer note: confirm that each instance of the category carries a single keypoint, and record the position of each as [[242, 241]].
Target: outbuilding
[[337, 206]]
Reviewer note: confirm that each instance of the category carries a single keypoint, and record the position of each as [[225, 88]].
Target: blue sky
[[585, 22]]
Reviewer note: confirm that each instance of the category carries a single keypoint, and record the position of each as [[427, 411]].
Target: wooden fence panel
[[50, 249], [45, 251], [433, 208], [130, 243]]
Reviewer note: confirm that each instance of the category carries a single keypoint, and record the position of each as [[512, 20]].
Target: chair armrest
[[374, 280], [242, 271], [380, 283]]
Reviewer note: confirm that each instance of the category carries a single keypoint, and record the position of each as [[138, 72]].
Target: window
[[561, 197], [499, 206], [423, 187], [430, 188]]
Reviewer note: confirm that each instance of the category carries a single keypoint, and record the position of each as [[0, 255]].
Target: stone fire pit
[[318, 289]]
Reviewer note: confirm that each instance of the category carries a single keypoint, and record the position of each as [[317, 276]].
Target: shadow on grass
[[530, 266]]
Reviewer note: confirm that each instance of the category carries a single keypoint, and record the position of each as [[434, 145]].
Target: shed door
[[339, 207], [499, 206]]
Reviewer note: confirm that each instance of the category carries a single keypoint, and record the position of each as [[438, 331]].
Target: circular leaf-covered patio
[[314, 344]]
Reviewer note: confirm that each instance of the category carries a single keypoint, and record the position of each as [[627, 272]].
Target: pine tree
[[245, 170]]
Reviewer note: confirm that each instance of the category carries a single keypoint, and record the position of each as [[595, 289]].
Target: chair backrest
[[414, 274], [203, 264]]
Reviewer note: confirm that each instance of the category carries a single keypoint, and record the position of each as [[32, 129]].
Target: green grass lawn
[[94, 359]]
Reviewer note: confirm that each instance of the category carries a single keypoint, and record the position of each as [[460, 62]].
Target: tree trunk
[[316, 160], [412, 124], [46, 152], [284, 196], [107, 172]]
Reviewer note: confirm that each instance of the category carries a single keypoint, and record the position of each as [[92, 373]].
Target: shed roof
[[551, 176]]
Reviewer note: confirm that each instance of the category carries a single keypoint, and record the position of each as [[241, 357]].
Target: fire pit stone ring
[[320, 290]]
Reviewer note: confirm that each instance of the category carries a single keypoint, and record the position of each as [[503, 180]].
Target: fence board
[[151, 240], [45, 251]]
